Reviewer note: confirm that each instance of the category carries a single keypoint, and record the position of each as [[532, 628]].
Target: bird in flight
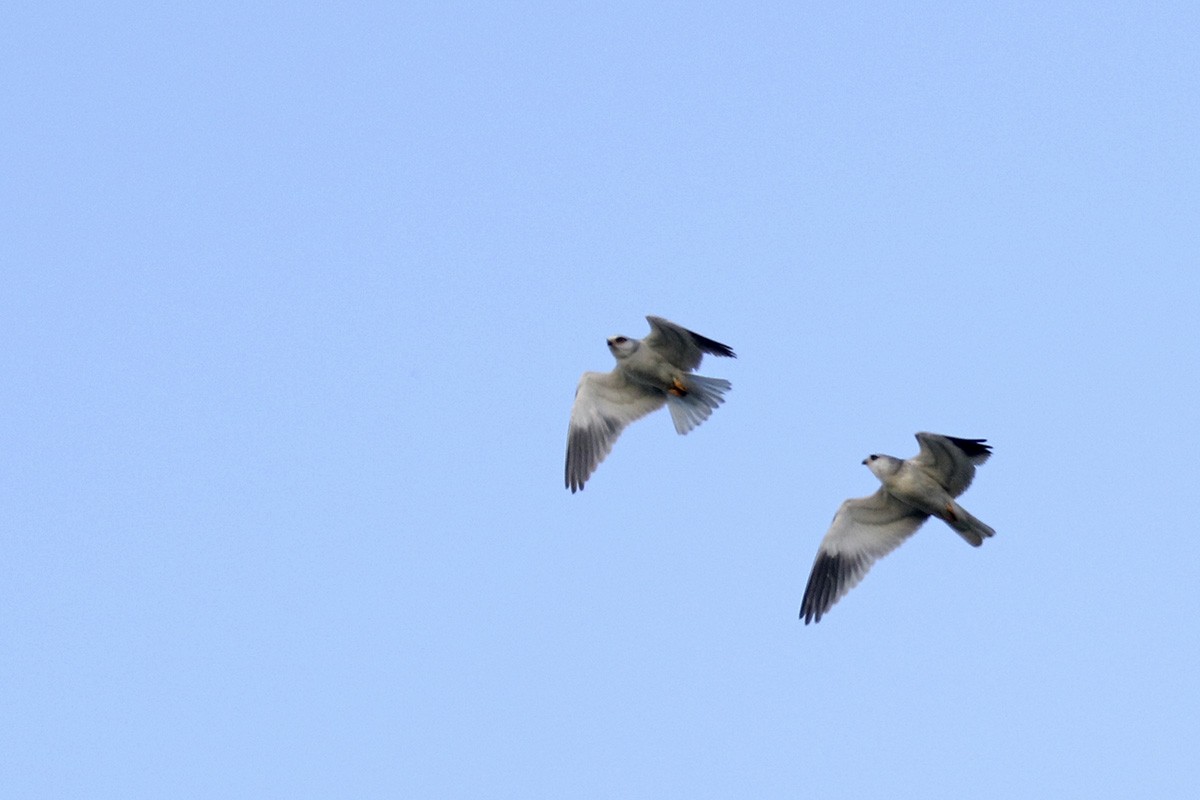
[[865, 529], [650, 373]]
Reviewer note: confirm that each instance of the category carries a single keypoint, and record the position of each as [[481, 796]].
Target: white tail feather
[[703, 396], [970, 528]]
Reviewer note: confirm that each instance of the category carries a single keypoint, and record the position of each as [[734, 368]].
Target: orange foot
[[677, 388], [950, 515]]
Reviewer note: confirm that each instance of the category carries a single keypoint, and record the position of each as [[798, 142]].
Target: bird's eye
[[621, 340], [872, 457]]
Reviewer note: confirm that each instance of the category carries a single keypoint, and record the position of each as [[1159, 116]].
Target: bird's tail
[[968, 527], [695, 403]]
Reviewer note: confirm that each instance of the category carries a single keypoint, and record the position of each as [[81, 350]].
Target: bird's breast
[[913, 486], [648, 368]]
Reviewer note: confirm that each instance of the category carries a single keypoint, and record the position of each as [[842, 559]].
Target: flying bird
[[865, 529], [650, 373]]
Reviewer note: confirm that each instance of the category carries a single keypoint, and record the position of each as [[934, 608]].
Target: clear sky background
[[295, 300]]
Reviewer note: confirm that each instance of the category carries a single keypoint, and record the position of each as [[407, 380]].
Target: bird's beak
[[864, 462], [608, 342]]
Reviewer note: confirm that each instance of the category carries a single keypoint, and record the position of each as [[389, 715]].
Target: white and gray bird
[[865, 529], [650, 373]]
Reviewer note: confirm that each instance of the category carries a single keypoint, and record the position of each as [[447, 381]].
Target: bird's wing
[[605, 403], [864, 530], [682, 347], [951, 460]]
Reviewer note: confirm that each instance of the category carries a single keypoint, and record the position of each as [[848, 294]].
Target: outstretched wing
[[864, 530], [682, 347], [951, 460], [605, 403]]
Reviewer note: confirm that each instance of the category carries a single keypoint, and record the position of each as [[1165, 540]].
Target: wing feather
[[605, 402], [864, 530], [683, 348], [951, 460]]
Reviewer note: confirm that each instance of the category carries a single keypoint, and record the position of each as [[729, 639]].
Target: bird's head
[[882, 466], [622, 347]]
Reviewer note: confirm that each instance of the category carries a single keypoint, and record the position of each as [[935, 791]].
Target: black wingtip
[[822, 589], [712, 346], [974, 448]]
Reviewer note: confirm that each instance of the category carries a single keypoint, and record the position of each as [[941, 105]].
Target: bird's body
[[867, 528], [646, 365], [650, 373]]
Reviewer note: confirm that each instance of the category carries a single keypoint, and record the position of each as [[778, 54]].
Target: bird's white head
[[622, 347], [882, 466]]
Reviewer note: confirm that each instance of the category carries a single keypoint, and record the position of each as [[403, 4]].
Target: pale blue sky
[[296, 298]]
